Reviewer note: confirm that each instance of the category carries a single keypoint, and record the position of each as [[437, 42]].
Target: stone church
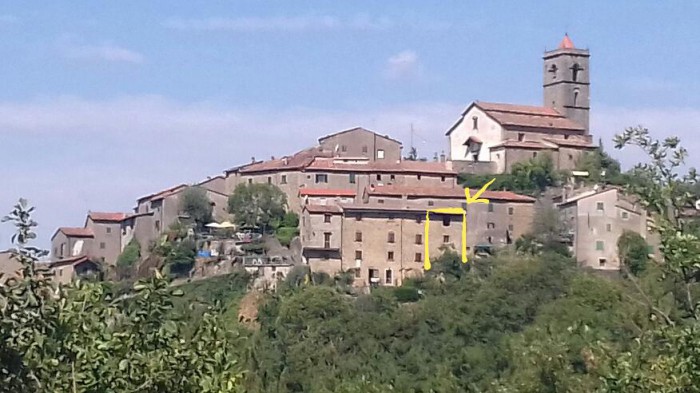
[[494, 136]]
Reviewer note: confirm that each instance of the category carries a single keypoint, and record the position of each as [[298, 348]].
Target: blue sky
[[103, 102]]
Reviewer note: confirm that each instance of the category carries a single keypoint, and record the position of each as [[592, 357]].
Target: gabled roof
[[74, 232], [588, 194], [162, 194], [298, 160], [70, 261], [571, 143], [566, 43], [108, 217], [321, 192], [445, 192], [524, 117], [413, 167], [323, 138], [323, 209]]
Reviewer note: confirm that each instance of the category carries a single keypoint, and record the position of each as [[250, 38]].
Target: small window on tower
[[521, 137], [575, 98], [475, 122], [553, 71], [574, 72]]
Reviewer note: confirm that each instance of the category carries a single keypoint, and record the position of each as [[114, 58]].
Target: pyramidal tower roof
[[566, 43]]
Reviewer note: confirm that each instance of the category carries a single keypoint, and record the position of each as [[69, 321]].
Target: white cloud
[[294, 24], [102, 53], [403, 65]]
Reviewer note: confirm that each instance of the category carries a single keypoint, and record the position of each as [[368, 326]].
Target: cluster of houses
[[362, 205]]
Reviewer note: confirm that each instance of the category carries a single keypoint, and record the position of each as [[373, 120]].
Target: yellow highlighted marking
[[453, 210]]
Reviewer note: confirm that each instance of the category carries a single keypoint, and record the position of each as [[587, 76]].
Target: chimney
[[442, 156], [435, 157], [285, 161], [252, 160], [272, 157]]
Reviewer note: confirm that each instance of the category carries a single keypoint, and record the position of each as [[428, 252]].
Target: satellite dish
[[697, 204]]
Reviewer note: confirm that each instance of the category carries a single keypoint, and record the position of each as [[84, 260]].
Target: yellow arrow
[[454, 210]]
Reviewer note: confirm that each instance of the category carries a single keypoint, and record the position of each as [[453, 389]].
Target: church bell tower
[[567, 83]]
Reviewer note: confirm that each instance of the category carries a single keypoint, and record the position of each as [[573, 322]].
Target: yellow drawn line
[[453, 210]]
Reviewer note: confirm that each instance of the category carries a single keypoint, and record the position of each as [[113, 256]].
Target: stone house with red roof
[[504, 134], [381, 237], [360, 142]]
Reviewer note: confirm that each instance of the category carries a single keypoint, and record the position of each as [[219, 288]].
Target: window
[[419, 219], [608, 227], [498, 156], [364, 149], [391, 238], [326, 218], [431, 203], [446, 221], [351, 178], [284, 179], [250, 181], [625, 215], [553, 71], [380, 154], [490, 225], [571, 157], [602, 262], [108, 230], [475, 122], [574, 72], [442, 178], [490, 207], [390, 217], [358, 255], [269, 180], [418, 177], [510, 227], [600, 206], [157, 225], [324, 256], [445, 239], [343, 148], [600, 245], [321, 178], [358, 236], [63, 250], [575, 97], [521, 136], [388, 279], [358, 217], [390, 256], [511, 210], [566, 136], [392, 177], [419, 257], [358, 272], [380, 201], [326, 240], [379, 177], [102, 245], [419, 239], [534, 154], [490, 240]]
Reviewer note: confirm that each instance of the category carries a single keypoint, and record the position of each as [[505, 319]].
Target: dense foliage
[[128, 259], [257, 205], [287, 228], [196, 204], [529, 177], [633, 252]]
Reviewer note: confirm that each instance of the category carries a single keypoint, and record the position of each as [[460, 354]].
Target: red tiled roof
[[523, 145], [69, 261], [321, 139], [326, 192], [162, 194], [76, 232], [566, 43], [571, 143], [509, 115], [112, 217], [328, 164], [445, 192], [329, 209], [298, 160]]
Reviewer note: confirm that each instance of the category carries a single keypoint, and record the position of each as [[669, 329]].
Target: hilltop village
[[358, 200]]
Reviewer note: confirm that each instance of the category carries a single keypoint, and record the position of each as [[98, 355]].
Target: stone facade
[[359, 142], [596, 219]]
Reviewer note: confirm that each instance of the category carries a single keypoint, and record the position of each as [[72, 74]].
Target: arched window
[[575, 98], [475, 122]]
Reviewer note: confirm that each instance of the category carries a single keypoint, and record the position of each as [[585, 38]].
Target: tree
[[633, 251], [128, 258], [546, 235], [257, 205], [600, 167], [196, 204]]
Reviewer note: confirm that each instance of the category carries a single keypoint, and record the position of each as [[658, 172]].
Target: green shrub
[[286, 234], [406, 294]]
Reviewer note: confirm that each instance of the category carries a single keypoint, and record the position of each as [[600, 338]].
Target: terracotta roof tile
[[571, 143], [509, 115], [326, 192], [329, 209], [329, 164], [76, 232], [111, 217], [69, 261], [162, 194], [298, 160], [444, 192], [566, 43]]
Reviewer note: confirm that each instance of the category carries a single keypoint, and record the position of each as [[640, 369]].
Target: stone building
[[381, 238], [69, 242], [503, 134], [594, 221], [66, 270], [360, 142]]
